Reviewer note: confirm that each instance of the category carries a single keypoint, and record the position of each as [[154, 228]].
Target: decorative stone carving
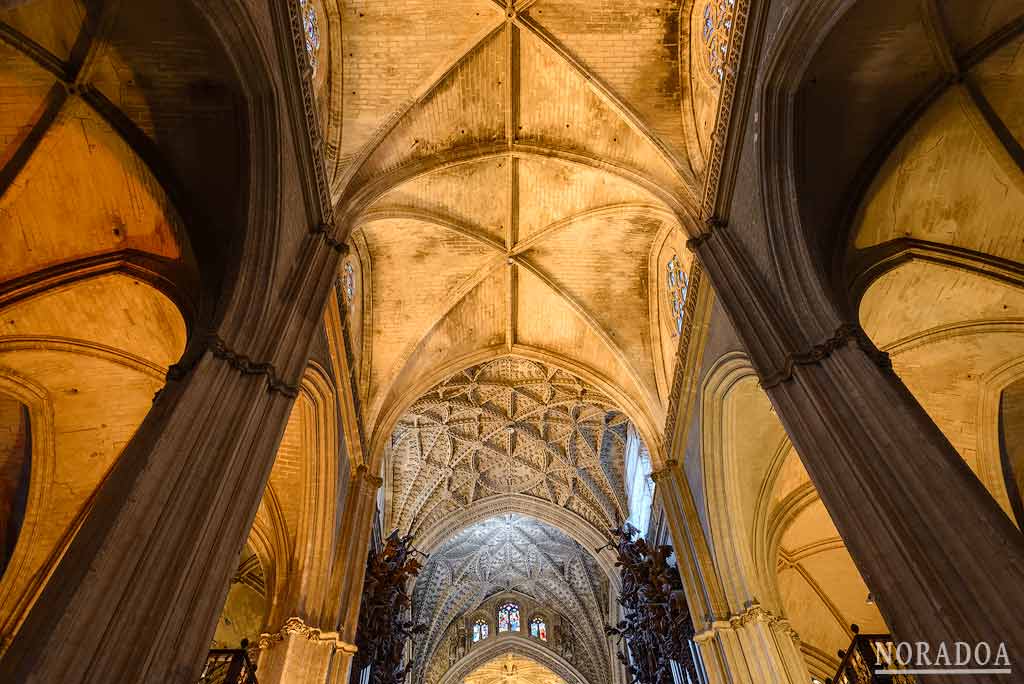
[[509, 426], [511, 553]]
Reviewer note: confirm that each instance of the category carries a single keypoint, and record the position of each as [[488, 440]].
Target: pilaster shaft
[[155, 552]]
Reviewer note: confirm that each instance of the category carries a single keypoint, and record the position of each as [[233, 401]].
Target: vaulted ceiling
[[510, 176], [509, 426], [512, 179], [515, 553]]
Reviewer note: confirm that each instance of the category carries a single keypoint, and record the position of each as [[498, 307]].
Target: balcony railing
[[860, 661], [229, 666]]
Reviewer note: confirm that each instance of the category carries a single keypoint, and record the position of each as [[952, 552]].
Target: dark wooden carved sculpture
[[384, 625], [656, 627]]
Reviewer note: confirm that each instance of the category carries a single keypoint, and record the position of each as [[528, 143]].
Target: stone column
[[751, 647], [341, 663], [943, 561], [299, 653], [137, 595], [350, 566]]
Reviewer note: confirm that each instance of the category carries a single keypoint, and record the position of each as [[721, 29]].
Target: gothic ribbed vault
[[516, 187], [509, 426], [514, 553]]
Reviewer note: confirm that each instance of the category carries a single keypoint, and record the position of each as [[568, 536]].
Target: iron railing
[[229, 666], [858, 663]]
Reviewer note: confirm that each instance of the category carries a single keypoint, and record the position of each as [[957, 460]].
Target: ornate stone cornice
[[304, 77], [665, 472], [363, 473], [846, 333], [683, 350], [725, 108], [240, 362], [296, 626], [712, 223], [326, 231], [754, 613]]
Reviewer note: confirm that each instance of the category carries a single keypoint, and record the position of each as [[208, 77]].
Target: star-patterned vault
[[514, 553], [510, 426]]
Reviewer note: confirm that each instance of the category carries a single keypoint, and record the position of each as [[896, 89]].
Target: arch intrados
[[569, 523], [165, 276], [372, 190], [389, 417], [485, 651], [733, 553], [41, 474], [801, 44], [877, 261]]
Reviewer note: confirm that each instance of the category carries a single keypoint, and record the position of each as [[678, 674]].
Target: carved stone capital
[[363, 474], [298, 627], [665, 472], [241, 363], [754, 613]]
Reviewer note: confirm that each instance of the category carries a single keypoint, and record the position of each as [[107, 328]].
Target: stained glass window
[[348, 281], [538, 629], [677, 282], [715, 32], [479, 631], [311, 30], [508, 618]]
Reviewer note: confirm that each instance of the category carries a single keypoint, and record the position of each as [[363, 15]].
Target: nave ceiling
[[507, 427], [512, 179]]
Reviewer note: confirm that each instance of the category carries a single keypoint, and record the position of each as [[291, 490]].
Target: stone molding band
[[695, 280], [296, 626], [240, 362], [845, 333], [326, 231], [309, 109]]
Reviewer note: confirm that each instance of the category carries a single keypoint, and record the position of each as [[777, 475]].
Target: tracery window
[[480, 630], [717, 28], [348, 284], [538, 629], [677, 282], [508, 618], [311, 30]]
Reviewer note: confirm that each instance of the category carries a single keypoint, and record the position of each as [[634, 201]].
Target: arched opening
[[247, 606], [86, 358], [15, 469], [480, 586], [512, 669], [1011, 445], [774, 541]]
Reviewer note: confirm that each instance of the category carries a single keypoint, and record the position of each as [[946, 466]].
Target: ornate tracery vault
[[518, 555], [508, 426]]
